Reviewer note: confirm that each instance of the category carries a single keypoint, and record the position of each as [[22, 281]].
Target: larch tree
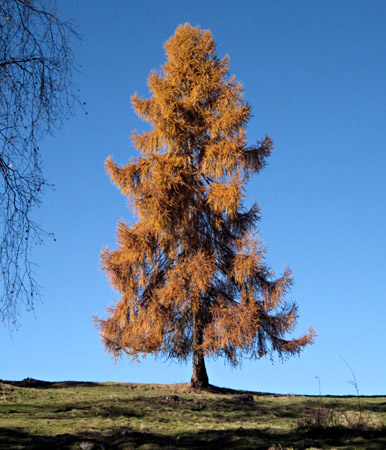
[[191, 272]]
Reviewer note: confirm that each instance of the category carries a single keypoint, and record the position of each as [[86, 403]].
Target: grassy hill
[[71, 415]]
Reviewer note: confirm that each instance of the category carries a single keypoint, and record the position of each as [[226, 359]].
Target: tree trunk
[[199, 377]]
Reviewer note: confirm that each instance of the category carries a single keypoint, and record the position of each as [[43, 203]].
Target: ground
[[71, 415]]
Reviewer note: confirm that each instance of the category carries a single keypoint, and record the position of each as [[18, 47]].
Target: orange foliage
[[191, 272]]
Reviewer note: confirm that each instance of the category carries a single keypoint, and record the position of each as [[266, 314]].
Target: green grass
[[130, 416]]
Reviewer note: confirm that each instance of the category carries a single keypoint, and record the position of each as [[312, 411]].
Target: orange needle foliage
[[191, 272]]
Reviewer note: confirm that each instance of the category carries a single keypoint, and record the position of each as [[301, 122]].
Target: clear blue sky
[[315, 75]]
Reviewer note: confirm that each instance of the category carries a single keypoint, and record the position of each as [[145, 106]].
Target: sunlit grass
[[123, 416]]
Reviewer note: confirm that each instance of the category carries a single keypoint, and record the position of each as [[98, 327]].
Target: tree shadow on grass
[[208, 439], [19, 439]]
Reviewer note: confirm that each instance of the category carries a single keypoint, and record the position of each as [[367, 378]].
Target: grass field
[[43, 415]]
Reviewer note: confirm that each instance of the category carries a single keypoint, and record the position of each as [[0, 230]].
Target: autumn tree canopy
[[191, 272]]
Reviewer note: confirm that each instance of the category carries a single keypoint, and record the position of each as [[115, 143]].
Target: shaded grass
[[129, 416]]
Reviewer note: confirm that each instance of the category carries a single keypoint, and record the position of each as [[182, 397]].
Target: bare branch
[[37, 95]]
